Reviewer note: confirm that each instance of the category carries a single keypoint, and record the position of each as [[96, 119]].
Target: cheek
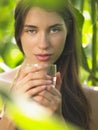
[[60, 42], [59, 46], [26, 43], [59, 49]]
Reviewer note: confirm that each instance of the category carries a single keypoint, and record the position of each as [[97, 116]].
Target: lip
[[43, 57]]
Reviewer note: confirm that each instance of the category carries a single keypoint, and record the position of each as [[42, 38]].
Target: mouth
[[43, 57]]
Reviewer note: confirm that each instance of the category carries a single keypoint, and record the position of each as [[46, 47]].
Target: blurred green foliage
[[9, 52], [28, 115], [12, 57], [89, 70]]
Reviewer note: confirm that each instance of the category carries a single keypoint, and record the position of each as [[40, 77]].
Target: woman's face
[[43, 36]]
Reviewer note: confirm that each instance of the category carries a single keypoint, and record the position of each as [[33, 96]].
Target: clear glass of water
[[49, 69]]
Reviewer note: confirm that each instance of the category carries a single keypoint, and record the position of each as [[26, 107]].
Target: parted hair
[[75, 107]]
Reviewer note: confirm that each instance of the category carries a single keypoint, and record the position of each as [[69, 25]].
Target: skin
[[43, 38], [43, 43]]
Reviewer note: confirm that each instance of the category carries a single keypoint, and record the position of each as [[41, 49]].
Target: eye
[[31, 31], [55, 29]]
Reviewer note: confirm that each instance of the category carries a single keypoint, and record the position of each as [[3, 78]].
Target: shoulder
[[92, 96], [90, 91], [7, 77]]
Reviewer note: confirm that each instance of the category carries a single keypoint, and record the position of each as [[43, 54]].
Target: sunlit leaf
[[29, 115]]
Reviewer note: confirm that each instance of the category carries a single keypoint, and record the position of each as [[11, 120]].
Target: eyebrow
[[33, 26]]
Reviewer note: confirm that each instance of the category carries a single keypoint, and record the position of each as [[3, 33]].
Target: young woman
[[46, 32]]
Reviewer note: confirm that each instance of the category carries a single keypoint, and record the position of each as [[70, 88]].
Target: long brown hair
[[75, 107]]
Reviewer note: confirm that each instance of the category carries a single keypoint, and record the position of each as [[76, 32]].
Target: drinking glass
[[49, 69]]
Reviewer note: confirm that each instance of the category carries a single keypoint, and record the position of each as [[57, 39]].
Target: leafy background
[[10, 56]]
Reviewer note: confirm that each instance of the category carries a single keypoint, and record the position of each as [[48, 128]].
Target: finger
[[33, 79], [49, 96], [23, 87], [42, 101], [58, 81], [29, 69], [46, 94], [35, 91], [38, 75], [53, 90], [52, 104]]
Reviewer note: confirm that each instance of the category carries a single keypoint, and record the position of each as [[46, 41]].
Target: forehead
[[37, 14]]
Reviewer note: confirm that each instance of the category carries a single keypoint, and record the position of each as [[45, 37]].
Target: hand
[[33, 84], [31, 81], [50, 98]]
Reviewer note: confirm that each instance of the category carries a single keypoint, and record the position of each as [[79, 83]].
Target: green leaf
[[79, 19], [84, 61], [29, 115]]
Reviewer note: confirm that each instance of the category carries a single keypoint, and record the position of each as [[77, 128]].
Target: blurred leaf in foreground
[[28, 115]]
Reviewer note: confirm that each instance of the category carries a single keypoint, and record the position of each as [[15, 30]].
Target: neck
[[25, 63]]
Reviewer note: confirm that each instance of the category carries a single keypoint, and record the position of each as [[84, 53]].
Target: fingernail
[[27, 66], [48, 81], [48, 77], [37, 66], [43, 87]]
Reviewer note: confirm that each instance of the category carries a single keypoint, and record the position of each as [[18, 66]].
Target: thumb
[[58, 80]]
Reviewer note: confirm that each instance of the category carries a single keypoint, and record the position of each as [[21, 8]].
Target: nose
[[44, 41]]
